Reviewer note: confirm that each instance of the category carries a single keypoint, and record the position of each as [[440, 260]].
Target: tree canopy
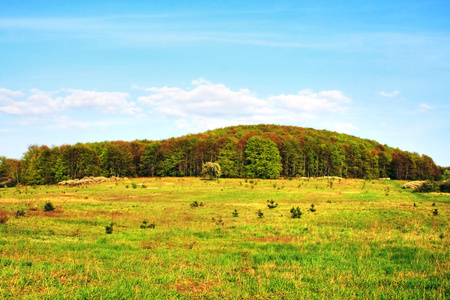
[[263, 151]]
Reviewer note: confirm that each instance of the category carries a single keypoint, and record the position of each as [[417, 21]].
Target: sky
[[91, 71]]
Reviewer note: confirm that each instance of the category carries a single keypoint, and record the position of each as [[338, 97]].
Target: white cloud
[[6, 96], [209, 105], [201, 106], [206, 99], [424, 107], [344, 127], [307, 101], [392, 94], [104, 102], [41, 103]]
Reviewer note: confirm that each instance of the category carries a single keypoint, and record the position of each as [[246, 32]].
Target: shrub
[[272, 204], [435, 212], [133, 185], [312, 209], [427, 187], [444, 187], [145, 225], [260, 214], [196, 204], [211, 170], [296, 213], [20, 212], [235, 213], [109, 228], [49, 206]]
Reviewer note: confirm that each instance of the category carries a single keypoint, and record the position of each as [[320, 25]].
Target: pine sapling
[[296, 213], [49, 206], [272, 204], [260, 214], [109, 229]]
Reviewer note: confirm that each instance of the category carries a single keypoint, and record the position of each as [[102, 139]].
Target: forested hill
[[263, 151]]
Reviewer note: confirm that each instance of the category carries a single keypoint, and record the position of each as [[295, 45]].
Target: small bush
[[271, 204], [435, 212], [427, 187], [312, 209], [145, 225], [219, 221], [20, 212], [444, 187], [296, 213], [133, 185], [196, 204], [235, 213], [260, 214], [49, 206], [109, 228]]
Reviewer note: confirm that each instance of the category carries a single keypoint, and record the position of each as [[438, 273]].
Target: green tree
[[229, 160], [211, 170], [116, 160], [262, 158], [446, 175], [30, 169]]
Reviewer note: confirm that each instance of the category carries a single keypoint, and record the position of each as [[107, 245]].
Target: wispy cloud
[[392, 94], [423, 108]]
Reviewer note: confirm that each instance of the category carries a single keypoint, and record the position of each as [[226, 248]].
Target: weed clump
[[49, 206], [271, 204], [296, 213], [20, 213], [109, 228], [260, 214], [145, 225], [133, 185], [312, 209], [196, 204], [235, 213]]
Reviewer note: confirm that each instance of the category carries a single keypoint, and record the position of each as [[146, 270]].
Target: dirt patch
[[193, 287], [274, 239]]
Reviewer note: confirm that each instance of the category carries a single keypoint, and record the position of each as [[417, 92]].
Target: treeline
[[259, 151]]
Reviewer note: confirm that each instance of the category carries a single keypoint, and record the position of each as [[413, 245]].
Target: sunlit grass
[[365, 239]]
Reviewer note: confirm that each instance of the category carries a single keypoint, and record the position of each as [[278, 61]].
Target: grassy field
[[365, 240]]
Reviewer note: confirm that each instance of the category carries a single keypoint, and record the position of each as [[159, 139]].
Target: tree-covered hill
[[262, 151]]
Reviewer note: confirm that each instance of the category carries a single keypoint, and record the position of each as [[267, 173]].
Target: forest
[[245, 151]]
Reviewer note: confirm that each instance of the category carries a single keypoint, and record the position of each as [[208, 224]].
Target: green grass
[[364, 241]]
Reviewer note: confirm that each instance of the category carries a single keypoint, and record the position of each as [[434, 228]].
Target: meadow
[[189, 238]]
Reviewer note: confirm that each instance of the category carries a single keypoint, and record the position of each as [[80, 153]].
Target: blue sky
[[85, 71]]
